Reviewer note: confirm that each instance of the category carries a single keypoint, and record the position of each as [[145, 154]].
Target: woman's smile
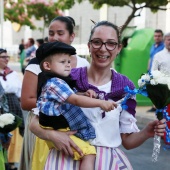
[[103, 57]]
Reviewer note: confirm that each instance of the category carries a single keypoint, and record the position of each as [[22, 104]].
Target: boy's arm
[[83, 101]]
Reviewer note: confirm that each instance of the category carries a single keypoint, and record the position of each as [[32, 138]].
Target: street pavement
[[141, 157], [142, 116]]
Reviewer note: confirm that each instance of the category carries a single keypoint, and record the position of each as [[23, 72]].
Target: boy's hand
[[90, 93], [108, 105]]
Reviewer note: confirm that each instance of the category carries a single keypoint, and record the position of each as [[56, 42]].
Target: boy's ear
[[46, 65]]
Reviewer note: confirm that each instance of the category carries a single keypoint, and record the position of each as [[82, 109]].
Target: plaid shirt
[[53, 95], [52, 102]]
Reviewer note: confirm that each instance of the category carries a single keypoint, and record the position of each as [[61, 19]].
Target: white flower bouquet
[[9, 122], [157, 87]]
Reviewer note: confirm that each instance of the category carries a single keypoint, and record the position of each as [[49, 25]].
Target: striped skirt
[[106, 159]]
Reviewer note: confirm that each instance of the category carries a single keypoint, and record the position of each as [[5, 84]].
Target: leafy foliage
[[152, 4], [16, 12], [22, 11], [65, 4], [42, 10], [135, 5]]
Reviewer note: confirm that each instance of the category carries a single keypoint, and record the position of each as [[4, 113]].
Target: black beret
[[51, 48], [2, 50]]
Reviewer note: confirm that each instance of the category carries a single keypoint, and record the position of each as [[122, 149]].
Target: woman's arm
[[89, 93], [60, 140], [29, 91], [133, 140]]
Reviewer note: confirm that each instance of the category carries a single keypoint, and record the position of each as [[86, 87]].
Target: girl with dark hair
[[60, 29]]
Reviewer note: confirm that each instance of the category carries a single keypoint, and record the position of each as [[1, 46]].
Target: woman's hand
[[155, 127], [63, 143], [90, 93], [134, 140]]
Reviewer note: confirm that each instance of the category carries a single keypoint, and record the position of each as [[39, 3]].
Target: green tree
[[16, 12], [22, 11], [135, 5], [42, 10]]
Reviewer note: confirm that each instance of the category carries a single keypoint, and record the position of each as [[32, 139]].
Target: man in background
[[161, 62], [30, 47], [156, 47]]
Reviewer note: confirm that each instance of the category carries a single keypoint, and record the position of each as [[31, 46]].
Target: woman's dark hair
[[109, 24], [69, 21], [40, 41], [3, 50], [45, 39], [72, 20]]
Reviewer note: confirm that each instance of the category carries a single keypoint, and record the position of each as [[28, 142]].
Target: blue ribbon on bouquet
[[130, 93], [167, 117]]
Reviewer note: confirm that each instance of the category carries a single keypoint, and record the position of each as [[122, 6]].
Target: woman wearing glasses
[[112, 128], [12, 85]]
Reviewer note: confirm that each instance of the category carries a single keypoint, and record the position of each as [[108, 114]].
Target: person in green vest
[[22, 55]]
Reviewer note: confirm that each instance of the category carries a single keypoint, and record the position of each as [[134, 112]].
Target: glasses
[[97, 44], [5, 57]]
